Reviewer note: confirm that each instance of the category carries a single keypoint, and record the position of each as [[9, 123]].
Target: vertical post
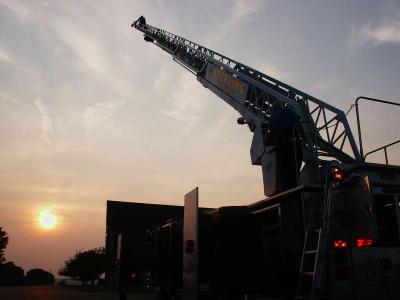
[[190, 245], [121, 281], [386, 157], [359, 130]]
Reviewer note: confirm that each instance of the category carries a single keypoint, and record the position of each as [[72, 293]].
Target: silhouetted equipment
[[329, 228], [142, 20]]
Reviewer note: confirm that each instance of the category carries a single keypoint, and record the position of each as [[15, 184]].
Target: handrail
[[359, 122], [384, 149]]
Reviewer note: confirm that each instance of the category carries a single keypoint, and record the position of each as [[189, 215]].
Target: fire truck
[[329, 227]]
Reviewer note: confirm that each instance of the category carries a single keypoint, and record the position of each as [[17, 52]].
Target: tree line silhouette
[[85, 266], [13, 275]]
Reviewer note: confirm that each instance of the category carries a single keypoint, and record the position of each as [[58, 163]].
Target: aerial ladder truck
[[330, 225]]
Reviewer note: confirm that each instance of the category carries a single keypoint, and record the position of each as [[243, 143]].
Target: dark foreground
[[65, 293]]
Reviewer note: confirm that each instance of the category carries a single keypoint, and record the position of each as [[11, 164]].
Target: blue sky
[[91, 112]]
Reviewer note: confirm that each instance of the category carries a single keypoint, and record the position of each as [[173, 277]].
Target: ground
[[66, 293]]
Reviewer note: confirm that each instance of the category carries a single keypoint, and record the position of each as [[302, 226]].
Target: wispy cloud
[[18, 64], [273, 70], [322, 85], [100, 112], [185, 103], [374, 76], [241, 10], [161, 80], [8, 98], [60, 24], [95, 55], [19, 9], [376, 34], [4, 57], [47, 127], [386, 33]]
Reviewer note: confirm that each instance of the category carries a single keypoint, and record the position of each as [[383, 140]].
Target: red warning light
[[364, 242], [340, 244], [133, 275]]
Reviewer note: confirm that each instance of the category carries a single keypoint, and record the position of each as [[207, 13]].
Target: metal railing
[[384, 148], [359, 126]]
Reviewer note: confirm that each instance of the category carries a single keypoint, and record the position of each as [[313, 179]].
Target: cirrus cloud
[[384, 33], [47, 125]]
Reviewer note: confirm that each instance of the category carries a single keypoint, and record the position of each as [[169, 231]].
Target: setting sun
[[47, 219]]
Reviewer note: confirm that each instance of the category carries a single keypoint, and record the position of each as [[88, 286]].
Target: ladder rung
[[311, 252], [307, 273]]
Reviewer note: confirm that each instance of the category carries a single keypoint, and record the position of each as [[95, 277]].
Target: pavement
[[65, 293]]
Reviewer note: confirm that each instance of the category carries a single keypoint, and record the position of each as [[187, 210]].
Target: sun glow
[[47, 220]]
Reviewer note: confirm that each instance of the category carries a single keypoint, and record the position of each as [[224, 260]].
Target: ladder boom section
[[256, 95]]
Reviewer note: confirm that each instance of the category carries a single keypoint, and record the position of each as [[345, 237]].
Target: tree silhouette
[[3, 244], [39, 277], [85, 266], [11, 274]]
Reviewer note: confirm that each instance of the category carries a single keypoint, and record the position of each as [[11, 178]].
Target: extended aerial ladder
[[322, 128], [288, 125]]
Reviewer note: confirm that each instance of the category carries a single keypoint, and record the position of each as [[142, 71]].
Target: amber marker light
[[338, 175]]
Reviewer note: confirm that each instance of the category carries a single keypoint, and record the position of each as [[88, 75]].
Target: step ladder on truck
[[331, 220]]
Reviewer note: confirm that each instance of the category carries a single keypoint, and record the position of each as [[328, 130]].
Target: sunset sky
[[90, 112]]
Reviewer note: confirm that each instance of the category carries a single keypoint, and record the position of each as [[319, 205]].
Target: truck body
[[329, 227]]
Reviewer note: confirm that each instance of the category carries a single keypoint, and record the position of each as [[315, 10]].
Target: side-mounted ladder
[[314, 260]]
